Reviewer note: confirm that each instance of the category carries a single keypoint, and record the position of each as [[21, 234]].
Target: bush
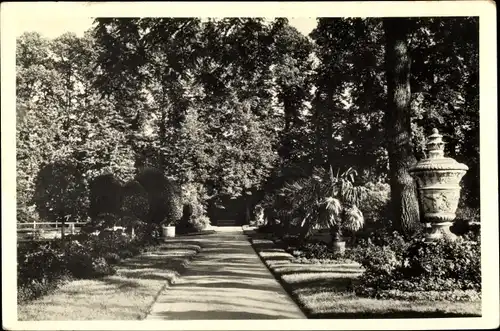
[[164, 196], [376, 201], [105, 195], [258, 217], [200, 223], [101, 268], [104, 220], [114, 242], [60, 190], [126, 253], [393, 265], [458, 260], [135, 201], [467, 221], [194, 216], [85, 261], [148, 233], [39, 269], [314, 251], [113, 258], [26, 214]]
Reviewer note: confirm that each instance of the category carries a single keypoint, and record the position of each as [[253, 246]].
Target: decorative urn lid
[[436, 159]]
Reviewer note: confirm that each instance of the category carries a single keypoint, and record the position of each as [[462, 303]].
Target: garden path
[[226, 280]]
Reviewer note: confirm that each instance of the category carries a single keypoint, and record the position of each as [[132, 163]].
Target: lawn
[[323, 290], [127, 295]]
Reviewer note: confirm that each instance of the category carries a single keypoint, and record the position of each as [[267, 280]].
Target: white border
[[12, 13]]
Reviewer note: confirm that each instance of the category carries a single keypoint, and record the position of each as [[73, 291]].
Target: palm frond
[[353, 219], [333, 205]]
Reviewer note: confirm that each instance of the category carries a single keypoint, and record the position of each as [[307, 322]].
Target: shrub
[[101, 268], [457, 260], [114, 242], [467, 221], [194, 216], [375, 201], [39, 269], [126, 253], [317, 250], [135, 200], [26, 214], [258, 218], [148, 233], [60, 191], [200, 223], [104, 221], [113, 258], [164, 195], [83, 262], [105, 195], [42, 267], [393, 265]]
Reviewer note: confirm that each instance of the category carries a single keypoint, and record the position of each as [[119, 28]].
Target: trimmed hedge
[[164, 195]]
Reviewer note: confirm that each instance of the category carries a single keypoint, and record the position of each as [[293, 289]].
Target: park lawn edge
[[426, 308], [100, 298]]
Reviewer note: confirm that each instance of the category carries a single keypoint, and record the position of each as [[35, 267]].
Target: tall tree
[[349, 103], [398, 125]]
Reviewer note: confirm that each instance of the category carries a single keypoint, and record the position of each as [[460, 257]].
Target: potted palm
[[327, 201]]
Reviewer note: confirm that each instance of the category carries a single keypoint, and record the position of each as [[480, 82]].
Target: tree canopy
[[241, 105]]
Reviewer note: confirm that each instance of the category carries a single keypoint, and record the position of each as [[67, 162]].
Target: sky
[[54, 27]]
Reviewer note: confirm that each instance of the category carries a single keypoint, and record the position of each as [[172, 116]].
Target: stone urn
[[438, 184]]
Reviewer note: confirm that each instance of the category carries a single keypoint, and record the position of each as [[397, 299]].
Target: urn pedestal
[[438, 184]]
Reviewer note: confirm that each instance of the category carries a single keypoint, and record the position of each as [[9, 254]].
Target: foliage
[[82, 262], [105, 195], [375, 202], [315, 251], [42, 267], [134, 204], [324, 200], [38, 271], [236, 104], [258, 218], [234, 107], [467, 221], [59, 192], [194, 197], [393, 266], [164, 196], [350, 99], [112, 258]]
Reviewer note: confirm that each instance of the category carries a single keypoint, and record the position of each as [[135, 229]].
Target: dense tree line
[[241, 105]]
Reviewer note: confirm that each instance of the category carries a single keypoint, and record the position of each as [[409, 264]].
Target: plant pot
[[168, 231], [338, 246]]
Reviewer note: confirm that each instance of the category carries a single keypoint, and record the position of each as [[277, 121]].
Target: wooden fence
[[46, 230]]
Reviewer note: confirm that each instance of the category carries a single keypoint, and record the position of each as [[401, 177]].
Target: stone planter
[[338, 242], [168, 231], [338, 246], [438, 183]]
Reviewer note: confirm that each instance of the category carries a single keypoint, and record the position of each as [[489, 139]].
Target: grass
[[127, 295], [324, 290]]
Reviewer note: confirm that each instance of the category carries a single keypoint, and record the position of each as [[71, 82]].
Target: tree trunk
[[398, 126], [329, 137], [162, 131]]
